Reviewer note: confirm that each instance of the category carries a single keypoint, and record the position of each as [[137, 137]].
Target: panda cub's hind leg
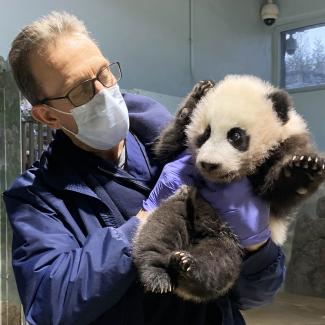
[[210, 263], [206, 270], [164, 232]]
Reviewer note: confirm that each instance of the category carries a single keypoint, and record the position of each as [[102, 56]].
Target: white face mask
[[102, 122]]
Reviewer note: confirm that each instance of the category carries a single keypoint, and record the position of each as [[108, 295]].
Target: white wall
[[295, 10], [312, 106], [229, 37], [170, 102], [151, 38], [148, 37]]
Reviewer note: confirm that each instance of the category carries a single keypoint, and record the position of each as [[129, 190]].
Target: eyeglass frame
[[43, 101]]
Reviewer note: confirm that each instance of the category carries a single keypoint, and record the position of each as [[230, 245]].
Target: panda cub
[[240, 127]]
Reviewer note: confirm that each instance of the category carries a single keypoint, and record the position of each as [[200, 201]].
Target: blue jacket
[[72, 216]]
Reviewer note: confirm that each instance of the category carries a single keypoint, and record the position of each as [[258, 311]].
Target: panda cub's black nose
[[209, 167]]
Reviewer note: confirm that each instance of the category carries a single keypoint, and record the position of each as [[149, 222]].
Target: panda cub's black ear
[[281, 104]]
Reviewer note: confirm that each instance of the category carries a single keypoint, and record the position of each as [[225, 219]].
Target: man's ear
[[41, 114]]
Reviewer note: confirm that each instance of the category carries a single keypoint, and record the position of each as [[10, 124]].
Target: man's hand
[[174, 174], [244, 212]]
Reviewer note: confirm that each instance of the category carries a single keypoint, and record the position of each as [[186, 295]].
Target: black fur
[[280, 178], [203, 137], [238, 139], [184, 246], [170, 143], [281, 104]]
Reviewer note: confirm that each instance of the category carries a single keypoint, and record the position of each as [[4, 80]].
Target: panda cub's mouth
[[226, 177], [219, 176], [214, 171]]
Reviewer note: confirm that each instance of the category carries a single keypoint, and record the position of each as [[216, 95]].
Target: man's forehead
[[63, 64]]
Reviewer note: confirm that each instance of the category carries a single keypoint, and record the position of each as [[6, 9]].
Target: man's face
[[71, 60]]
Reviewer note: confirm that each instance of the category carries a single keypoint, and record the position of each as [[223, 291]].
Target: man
[[74, 213]]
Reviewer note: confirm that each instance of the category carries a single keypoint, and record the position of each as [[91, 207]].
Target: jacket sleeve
[[261, 276], [60, 281], [147, 117]]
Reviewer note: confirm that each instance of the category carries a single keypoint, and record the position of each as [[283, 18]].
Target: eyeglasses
[[85, 91]]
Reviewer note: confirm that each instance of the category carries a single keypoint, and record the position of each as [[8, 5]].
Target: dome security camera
[[269, 13]]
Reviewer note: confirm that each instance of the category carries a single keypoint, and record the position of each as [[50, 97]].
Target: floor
[[289, 309]]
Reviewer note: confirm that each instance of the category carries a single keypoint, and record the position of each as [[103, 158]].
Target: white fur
[[295, 125], [142, 222], [278, 230]]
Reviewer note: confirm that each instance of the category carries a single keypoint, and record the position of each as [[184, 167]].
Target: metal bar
[[39, 140], [49, 135], [23, 145], [31, 143]]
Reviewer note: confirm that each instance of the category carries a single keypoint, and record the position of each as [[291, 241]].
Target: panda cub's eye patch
[[203, 137], [238, 138]]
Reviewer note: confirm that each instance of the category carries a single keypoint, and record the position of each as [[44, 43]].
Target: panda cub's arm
[[294, 168], [172, 141], [293, 174]]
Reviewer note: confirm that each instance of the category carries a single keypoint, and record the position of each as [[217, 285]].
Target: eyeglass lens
[[84, 92]]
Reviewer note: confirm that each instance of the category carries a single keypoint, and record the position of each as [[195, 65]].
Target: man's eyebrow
[[82, 79], [106, 64]]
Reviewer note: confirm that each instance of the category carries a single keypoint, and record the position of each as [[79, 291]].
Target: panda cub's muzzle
[[216, 172]]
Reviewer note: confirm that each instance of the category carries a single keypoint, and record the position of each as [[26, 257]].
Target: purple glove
[[244, 212], [174, 174]]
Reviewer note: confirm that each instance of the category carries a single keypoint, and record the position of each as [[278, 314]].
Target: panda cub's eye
[[238, 138]]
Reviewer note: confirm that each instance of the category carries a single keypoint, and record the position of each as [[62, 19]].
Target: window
[[303, 57]]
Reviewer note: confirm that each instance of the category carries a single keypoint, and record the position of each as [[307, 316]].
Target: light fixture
[[291, 45]]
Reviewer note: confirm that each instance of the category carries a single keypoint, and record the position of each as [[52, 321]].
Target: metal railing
[[34, 139]]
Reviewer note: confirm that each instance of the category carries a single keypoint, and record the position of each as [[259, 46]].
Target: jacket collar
[[63, 165]]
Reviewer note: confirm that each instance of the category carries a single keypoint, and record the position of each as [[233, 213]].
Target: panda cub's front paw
[[201, 88], [304, 170]]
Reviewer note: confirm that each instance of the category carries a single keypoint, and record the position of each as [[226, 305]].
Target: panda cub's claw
[[158, 283], [201, 88], [183, 262], [311, 163], [305, 170]]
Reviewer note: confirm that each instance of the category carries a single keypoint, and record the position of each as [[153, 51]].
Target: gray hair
[[36, 37]]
